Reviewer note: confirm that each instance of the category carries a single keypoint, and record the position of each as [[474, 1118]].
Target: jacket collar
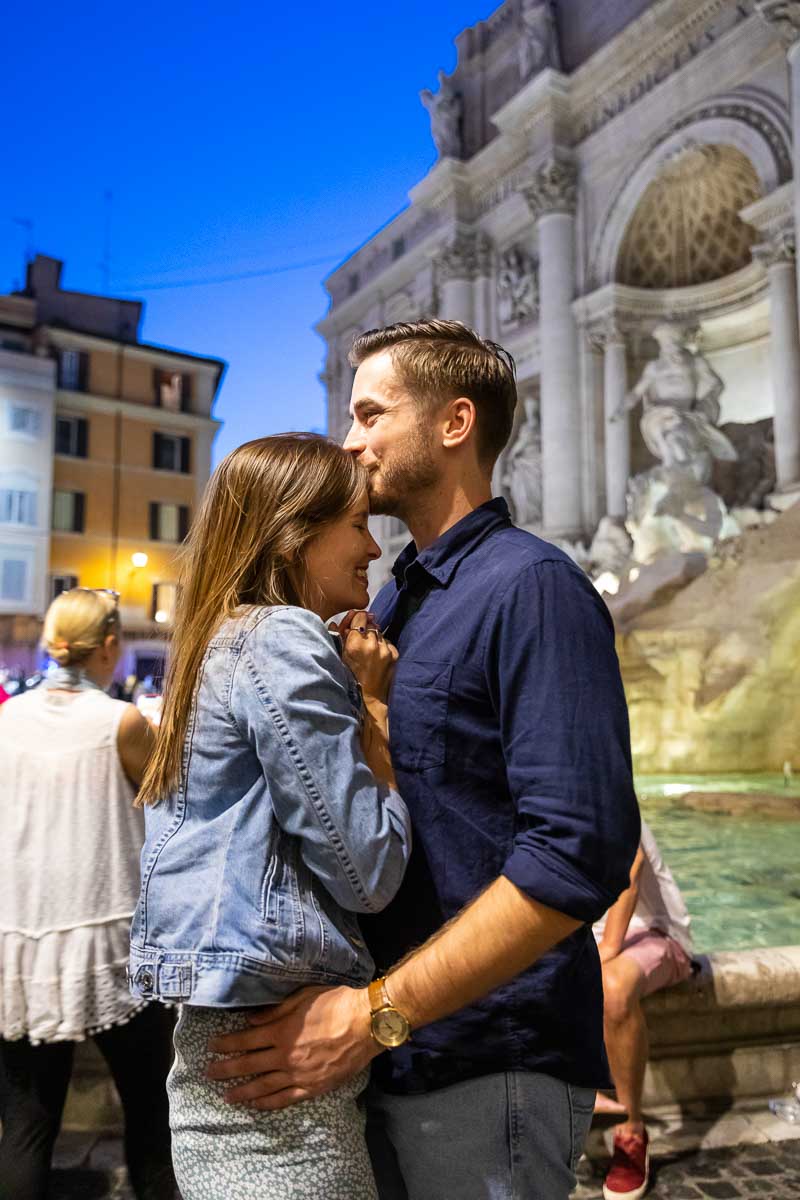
[[442, 557]]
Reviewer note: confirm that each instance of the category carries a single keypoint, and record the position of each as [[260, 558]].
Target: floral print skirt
[[314, 1150]]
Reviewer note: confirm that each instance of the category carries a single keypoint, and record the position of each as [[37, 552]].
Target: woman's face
[[336, 562]]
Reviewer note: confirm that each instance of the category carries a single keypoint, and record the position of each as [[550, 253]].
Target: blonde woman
[[71, 759], [272, 817]]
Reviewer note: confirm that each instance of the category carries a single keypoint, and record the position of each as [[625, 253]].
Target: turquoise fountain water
[[740, 874]]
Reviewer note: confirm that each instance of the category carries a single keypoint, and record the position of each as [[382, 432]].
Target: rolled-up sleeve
[[291, 700], [556, 686]]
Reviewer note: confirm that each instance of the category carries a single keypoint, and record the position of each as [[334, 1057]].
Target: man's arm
[[319, 1038], [619, 915]]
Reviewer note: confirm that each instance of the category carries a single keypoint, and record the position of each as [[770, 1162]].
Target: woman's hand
[[371, 659]]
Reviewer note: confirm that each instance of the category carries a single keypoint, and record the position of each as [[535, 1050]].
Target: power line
[[214, 279]]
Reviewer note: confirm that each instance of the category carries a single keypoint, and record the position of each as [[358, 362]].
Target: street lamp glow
[[162, 617], [139, 559]]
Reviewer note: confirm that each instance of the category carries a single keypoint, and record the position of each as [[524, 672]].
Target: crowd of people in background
[[436, 792]]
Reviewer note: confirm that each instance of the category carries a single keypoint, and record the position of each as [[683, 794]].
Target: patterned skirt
[[314, 1150]]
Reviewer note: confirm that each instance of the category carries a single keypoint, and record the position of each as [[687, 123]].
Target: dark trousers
[[33, 1089]]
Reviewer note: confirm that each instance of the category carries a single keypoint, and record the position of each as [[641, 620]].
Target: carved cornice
[[783, 16], [553, 189], [779, 251], [468, 256]]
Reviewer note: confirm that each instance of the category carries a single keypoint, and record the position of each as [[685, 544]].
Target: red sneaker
[[629, 1172]]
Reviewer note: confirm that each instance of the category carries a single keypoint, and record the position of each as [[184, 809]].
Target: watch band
[[378, 995]]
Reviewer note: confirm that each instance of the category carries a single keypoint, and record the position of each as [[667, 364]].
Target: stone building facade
[[604, 166]]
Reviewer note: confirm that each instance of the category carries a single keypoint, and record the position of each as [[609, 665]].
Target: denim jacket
[[279, 832]]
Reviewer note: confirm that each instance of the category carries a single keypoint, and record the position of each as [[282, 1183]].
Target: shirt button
[[357, 942]]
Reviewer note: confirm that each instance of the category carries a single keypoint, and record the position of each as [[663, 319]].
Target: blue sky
[[233, 137]]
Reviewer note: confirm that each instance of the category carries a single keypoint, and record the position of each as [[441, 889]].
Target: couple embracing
[[374, 855]]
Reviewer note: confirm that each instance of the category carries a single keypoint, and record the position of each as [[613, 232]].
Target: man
[[510, 742], [645, 944]]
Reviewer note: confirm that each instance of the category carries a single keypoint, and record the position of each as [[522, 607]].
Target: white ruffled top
[[70, 841]]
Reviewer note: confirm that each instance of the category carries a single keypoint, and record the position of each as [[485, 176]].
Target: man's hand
[[312, 1043]]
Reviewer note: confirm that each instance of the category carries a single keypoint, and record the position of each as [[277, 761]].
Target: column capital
[[609, 331], [780, 250], [553, 189], [466, 257], [783, 16]]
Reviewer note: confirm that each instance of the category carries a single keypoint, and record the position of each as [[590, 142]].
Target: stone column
[[552, 197], [617, 431], [484, 287], [456, 268], [784, 17], [779, 258]]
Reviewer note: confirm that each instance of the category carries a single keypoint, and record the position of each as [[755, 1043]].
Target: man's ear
[[459, 422]]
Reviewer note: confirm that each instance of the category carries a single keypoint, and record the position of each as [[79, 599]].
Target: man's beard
[[397, 483]]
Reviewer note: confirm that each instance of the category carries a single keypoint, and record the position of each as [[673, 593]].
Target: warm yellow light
[[139, 559], [162, 617]]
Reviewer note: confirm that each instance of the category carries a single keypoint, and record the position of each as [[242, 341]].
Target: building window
[[168, 522], [398, 248], [173, 390], [172, 453], [13, 579], [68, 511], [62, 583], [72, 436], [25, 420], [162, 608], [73, 370], [17, 507]]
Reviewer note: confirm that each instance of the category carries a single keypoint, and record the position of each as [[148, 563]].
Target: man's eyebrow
[[366, 402]]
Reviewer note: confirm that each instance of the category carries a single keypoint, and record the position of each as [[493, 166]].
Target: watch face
[[390, 1027]]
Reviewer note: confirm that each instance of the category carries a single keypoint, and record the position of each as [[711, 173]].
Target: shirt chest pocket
[[418, 709]]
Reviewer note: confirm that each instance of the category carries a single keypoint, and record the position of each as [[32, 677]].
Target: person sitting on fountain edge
[[645, 944]]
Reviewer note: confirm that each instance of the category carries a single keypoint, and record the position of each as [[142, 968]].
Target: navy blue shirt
[[510, 741]]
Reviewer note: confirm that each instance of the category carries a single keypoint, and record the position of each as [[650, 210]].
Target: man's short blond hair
[[437, 361]]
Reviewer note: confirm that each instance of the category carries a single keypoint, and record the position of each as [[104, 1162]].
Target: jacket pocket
[[270, 890], [418, 714]]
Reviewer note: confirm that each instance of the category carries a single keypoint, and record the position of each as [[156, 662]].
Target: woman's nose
[[374, 550]]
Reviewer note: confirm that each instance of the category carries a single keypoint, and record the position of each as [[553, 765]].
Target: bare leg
[[626, 1035]]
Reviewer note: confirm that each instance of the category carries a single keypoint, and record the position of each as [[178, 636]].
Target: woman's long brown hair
[[263, 505]]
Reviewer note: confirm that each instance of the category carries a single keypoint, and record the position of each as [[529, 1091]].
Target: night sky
[[233, 138]]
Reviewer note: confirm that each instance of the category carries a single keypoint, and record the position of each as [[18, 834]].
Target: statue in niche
[[680, 395], [517, 287], [538, 47], [446, 109], [522, 473]]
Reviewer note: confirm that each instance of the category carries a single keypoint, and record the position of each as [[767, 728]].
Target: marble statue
[[680, 394], [446, 109], [538, 46], [517, 287], [522, 474]]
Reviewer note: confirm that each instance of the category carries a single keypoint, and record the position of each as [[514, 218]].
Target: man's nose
[[354, 442]]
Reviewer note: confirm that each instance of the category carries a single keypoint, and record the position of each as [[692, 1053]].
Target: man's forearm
[[496, 937]]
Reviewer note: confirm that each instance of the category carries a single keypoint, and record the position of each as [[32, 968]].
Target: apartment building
[[104, 454]]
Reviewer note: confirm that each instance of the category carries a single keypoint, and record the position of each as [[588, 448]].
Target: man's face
[[391, 438]]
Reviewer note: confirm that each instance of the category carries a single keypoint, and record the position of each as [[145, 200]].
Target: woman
[[70, 761], [274, 817]]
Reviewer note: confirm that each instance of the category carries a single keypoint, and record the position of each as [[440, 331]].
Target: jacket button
[[145, 980]]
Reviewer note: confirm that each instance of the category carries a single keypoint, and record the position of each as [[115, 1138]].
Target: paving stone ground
[[745, 1154]]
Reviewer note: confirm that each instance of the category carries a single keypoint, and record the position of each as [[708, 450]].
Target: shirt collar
[[440, 559]]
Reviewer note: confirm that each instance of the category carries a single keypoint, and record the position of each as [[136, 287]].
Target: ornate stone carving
[[680, 393], [538, 45], [554, 188], [522, 470], [780, 249], [517, 287], [783, 16], [446, 109], [467, 257]]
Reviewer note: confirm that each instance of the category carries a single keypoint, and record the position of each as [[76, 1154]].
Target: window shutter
[[153, 521], [78, 512], [82, 439], [186, 455], [183, 522], [83, 372]]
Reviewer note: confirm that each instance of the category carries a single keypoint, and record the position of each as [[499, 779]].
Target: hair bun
[[60, 654]]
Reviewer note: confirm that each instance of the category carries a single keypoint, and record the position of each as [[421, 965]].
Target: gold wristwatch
[[387, 1025]]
